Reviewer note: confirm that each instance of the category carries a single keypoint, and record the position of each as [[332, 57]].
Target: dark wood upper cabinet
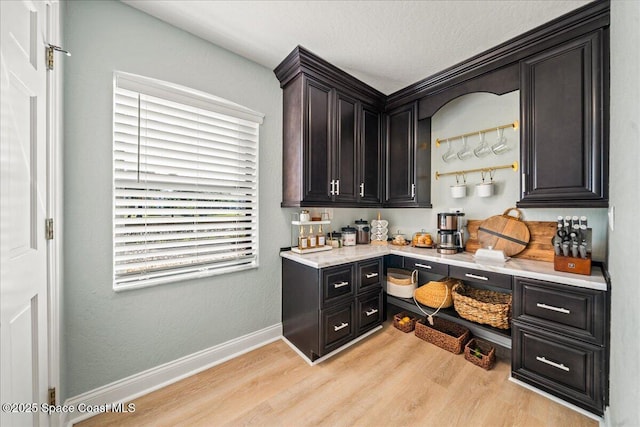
[[407, 159], [331, 135], [563, 144], [317, 141], [370, 156], [346, 144], [400, 156]]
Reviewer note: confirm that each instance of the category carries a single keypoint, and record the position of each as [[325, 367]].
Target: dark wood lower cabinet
[[559, 341], [567, 368], [558, 338], [324, 309]]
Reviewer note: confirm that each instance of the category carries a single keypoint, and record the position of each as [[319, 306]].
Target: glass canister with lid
[[362, 234], [348, 236]]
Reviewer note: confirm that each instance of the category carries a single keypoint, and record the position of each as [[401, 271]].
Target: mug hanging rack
[[513, 125], [513, 166]]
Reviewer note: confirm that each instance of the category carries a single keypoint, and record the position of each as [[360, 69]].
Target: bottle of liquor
[[321, 238], [313, 241], [303, 241]]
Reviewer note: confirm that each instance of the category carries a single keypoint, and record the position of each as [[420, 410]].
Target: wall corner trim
[[134, 386]]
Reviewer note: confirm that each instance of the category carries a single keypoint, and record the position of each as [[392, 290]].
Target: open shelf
[[501, 337]]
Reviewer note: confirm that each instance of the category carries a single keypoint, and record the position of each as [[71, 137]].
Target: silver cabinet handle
[[552, 308], [473, 276], [372, 312], [337, 328], [337, 187], [340, 284], [413, 191], [333, 187], [362, 189], [428, 267], [551, 363], [371, 275]]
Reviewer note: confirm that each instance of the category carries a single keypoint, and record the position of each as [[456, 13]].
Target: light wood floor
[[389, 379]]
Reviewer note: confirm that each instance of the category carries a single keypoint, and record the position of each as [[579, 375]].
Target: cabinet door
[[345, 151], [369, 274], [400, 156], [317, 142], [338, 326], [369, 310], [566, 368], [569, 310], [564, 142], [338, 283], [369, 157]]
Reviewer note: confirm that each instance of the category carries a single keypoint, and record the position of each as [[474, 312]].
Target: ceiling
[[387, 44]]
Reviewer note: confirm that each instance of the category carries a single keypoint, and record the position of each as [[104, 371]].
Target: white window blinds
[[185, 175]]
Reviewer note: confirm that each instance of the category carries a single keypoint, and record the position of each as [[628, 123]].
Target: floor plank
[[390, 378]]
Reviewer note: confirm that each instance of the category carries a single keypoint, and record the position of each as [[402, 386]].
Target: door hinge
[[50, 50], [48, 229], [52, 396]]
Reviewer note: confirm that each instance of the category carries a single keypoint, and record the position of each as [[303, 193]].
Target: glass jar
[[348, 236]]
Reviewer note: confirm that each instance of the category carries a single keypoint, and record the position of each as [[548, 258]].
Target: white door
[[23, 197]]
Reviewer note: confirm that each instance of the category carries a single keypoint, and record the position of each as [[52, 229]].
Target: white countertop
[[515, 267]]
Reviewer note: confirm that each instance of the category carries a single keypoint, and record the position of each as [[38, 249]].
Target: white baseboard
[[556, 399], [127, 389], [334, 352]]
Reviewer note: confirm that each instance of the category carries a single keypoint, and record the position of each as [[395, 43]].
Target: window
[[185, 183]]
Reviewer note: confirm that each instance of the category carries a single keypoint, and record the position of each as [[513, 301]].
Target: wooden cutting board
[[505, 232], [540, 247]]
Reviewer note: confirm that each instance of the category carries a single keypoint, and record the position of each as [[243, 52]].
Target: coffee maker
[[450, 240]]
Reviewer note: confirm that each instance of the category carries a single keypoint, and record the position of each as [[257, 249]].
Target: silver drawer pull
[[372, 312], [552, 308], [428, 267], [473, 276], [371, 275], [554, 364], [337, 328], [340, 284]]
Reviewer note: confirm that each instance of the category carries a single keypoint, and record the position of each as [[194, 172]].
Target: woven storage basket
[[404, 327], [437, 294], [483, 306], [480, 353], [401, 283], [444, 333]]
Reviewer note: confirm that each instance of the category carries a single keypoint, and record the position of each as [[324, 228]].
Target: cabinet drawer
[[369, 274], [337, 283], [426, 266], [574, 311], [480, 276], [564, 367], [369, 310], [338, 326]]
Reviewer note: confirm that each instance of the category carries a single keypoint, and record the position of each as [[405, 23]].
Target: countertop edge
[[530, 269]]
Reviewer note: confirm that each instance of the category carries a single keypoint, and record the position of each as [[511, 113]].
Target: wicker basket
[[436, 294], [404, 327], [444, 333], [483, 306], [480, 353]]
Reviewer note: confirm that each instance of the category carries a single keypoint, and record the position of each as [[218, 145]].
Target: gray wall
[[108, 335], [625, 198]]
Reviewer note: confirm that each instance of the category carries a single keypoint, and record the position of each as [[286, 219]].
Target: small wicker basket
[[483, 306], [480, 353], [443, 333], [437, 294], [404, 326]]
